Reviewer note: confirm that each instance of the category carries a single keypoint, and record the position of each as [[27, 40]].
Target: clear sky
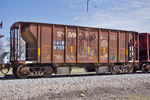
[[117, 14]]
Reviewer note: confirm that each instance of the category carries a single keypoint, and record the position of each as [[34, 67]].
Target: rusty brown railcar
[[50, 46]]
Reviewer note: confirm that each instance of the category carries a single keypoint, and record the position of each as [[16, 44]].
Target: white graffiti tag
[[86, 34], [72, 35], [104, 43], [58, 57], [60, 33], [113, 37]]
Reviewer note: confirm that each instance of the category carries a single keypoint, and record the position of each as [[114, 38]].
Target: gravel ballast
[[98, 87]]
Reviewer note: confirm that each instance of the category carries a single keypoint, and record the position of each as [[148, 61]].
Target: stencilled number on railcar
[[71, 34], [59, 45]]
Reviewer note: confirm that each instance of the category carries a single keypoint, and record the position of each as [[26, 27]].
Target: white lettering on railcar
[[60, 33], [59, 45], [72, 35]]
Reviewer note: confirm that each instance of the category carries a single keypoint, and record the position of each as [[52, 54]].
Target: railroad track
[[11, 77]]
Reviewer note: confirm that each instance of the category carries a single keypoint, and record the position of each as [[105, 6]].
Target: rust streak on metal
[[10, 45], [138, 46], [118, 47], [20, 42], [109, 43], [134, 48], [39, 43], [147, 36], [14, 49], [99, 39], [65, 43], [52, 44], [17, 44], [77, 43]]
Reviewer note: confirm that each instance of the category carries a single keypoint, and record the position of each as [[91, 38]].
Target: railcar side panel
[[131, 47], [144, 46], [87, 45], [122, 47], [70, 47], [45, 44], [103, 52], [113, 47], [126, 46], [58, 43], [137, 46]]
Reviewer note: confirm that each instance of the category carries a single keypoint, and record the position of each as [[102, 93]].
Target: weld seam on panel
[[109, 32]]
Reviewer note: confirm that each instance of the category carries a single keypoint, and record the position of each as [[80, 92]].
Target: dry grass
[[137, 97]]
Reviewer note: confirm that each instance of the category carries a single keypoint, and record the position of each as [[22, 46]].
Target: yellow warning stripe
[[103, 51], [88, 49], [39, 52], [127, 52], [71, 49]]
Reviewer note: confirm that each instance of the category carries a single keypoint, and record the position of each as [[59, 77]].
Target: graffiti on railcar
[[87, 45], [104, 43], [71, 35], [70, 58], [60, 34], [113, 37], [104, 46], [71, 45], [59, 57], [104, 57]]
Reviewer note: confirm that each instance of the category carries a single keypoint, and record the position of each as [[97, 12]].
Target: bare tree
[[1, 44], [1, 24]]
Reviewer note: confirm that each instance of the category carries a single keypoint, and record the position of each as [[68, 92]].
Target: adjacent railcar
[[144, 52], [40, 49]]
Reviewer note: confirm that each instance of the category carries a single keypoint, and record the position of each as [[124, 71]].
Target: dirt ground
[[108, 93]]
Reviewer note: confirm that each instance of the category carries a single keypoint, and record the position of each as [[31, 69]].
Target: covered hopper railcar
[[40, 49]]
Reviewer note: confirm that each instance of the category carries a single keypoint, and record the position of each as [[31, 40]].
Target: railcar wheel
[[4, 69], [22, 71], [114, 69], [145, 68], [48, 71], [130, 68], [135, 68]]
